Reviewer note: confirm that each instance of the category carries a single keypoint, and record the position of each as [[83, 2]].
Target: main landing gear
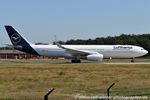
[[133, 60], [76, 61]]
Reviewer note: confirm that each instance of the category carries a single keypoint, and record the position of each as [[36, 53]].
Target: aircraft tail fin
[[18, 41], [15, 37]]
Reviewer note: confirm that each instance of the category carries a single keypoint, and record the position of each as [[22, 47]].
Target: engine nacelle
[[95, 57]]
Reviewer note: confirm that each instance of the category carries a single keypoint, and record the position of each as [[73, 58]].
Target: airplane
[[74, 52]]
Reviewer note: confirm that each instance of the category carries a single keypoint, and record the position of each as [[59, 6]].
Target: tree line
[[142, 40]]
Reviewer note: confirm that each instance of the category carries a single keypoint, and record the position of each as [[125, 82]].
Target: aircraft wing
[[76, 51]]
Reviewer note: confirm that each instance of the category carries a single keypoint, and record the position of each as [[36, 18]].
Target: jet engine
[[95, 57]]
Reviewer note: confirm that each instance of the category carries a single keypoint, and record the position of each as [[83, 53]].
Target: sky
[[42, 20]]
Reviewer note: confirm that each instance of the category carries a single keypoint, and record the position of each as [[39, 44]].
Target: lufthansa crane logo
[[15, 38]]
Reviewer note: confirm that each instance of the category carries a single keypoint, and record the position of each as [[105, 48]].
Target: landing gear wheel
[[133, 60], [76, 61]]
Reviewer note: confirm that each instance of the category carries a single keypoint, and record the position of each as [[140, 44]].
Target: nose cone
[[139, 51], [142, 52], [145, 52]]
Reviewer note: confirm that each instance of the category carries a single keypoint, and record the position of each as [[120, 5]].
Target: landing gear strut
[[133, 60], [76, 61]]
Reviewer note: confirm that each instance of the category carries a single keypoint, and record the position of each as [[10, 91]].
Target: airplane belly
[[51, 53], [119, 54]]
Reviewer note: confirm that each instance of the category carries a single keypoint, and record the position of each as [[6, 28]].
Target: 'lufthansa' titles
[[122, 47]]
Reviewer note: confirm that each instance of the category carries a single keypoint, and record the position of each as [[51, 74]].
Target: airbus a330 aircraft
[[75, 52]]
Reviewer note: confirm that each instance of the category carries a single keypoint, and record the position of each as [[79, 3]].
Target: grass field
[[32, 81]]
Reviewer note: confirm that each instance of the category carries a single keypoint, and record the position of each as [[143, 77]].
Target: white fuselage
[[75, 52], [113, 51]]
